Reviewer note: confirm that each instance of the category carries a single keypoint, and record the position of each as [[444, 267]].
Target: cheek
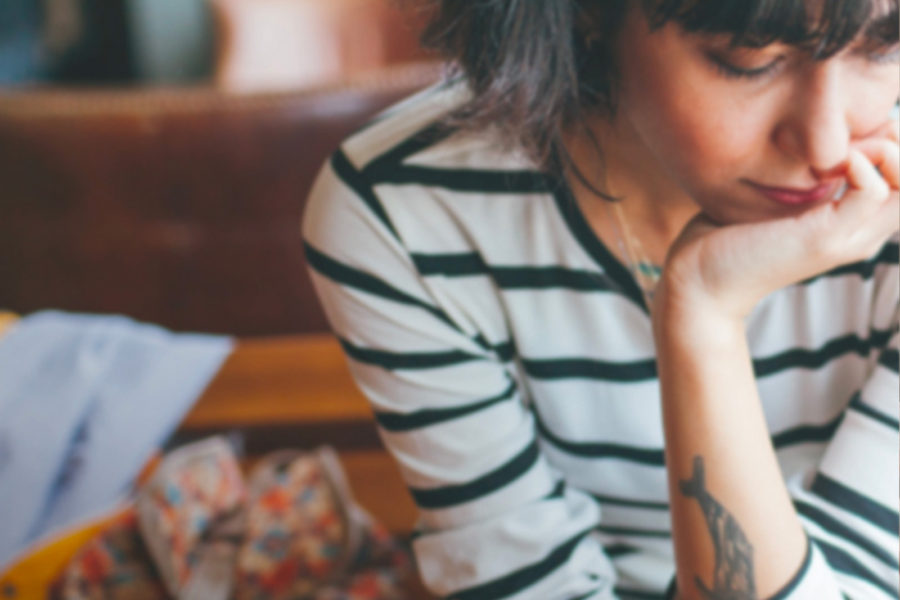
[[702, 142], [872, 106], [697, 129]]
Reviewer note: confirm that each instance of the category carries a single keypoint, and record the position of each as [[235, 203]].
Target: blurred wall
[[105, 41], [65, 41], [172, 40], [99, 50], [20, 31]]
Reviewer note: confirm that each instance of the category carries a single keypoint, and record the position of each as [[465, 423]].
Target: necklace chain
[[645, 272]]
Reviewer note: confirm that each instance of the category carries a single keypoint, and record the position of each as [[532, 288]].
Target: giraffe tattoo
[[733, 577]]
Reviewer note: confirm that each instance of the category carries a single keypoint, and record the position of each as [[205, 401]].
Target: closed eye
[[731, 70]]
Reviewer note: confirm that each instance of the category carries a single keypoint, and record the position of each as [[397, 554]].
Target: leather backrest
[[180, 207]]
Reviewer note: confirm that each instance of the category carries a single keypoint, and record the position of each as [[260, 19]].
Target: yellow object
[[32, 575], [7, 319]]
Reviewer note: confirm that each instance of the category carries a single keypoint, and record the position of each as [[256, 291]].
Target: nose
[[815, 130]]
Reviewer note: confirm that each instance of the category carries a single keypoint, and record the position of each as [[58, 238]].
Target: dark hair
[[538, 67]]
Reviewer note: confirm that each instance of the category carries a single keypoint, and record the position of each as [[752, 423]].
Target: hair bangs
[[822, 27]]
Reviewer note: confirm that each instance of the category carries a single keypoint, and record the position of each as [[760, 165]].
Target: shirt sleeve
[[495, 519], [849, 504]]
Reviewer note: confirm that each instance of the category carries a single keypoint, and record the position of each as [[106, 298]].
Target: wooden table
[[290, 391]]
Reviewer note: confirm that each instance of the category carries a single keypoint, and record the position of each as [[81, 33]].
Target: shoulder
[[415, 132], [408, 169]]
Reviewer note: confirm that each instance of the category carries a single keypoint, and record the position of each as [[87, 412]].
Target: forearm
[[713, 421]]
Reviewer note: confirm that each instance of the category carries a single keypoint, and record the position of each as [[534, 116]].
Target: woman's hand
[[726, 270]]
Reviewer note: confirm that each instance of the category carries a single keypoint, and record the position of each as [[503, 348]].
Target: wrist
[[692, 281], [684, 316]]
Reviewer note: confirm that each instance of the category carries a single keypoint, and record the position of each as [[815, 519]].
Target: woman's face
[[786, 121]]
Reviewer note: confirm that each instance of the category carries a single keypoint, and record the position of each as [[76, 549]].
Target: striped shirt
[[509, 360]]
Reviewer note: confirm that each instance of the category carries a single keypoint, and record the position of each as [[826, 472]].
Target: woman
[[629, 226]]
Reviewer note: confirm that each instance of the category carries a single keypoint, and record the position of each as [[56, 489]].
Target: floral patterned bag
[[294, 532], [308, 539]]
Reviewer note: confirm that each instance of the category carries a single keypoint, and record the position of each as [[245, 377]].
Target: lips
[[798, 197]]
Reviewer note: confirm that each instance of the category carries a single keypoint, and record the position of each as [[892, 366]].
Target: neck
[[655, 205]]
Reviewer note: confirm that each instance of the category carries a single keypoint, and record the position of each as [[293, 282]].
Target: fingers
[[870, 211], [884, 156], [862, 175], [867, 190]]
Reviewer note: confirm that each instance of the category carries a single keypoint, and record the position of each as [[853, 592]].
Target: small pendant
[[648, 269]]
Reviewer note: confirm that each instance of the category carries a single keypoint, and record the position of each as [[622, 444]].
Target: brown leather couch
[[179, 207]]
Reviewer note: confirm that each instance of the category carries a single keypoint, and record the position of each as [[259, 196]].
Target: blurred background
[[155, 159], [242, 45], [155, 154]]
